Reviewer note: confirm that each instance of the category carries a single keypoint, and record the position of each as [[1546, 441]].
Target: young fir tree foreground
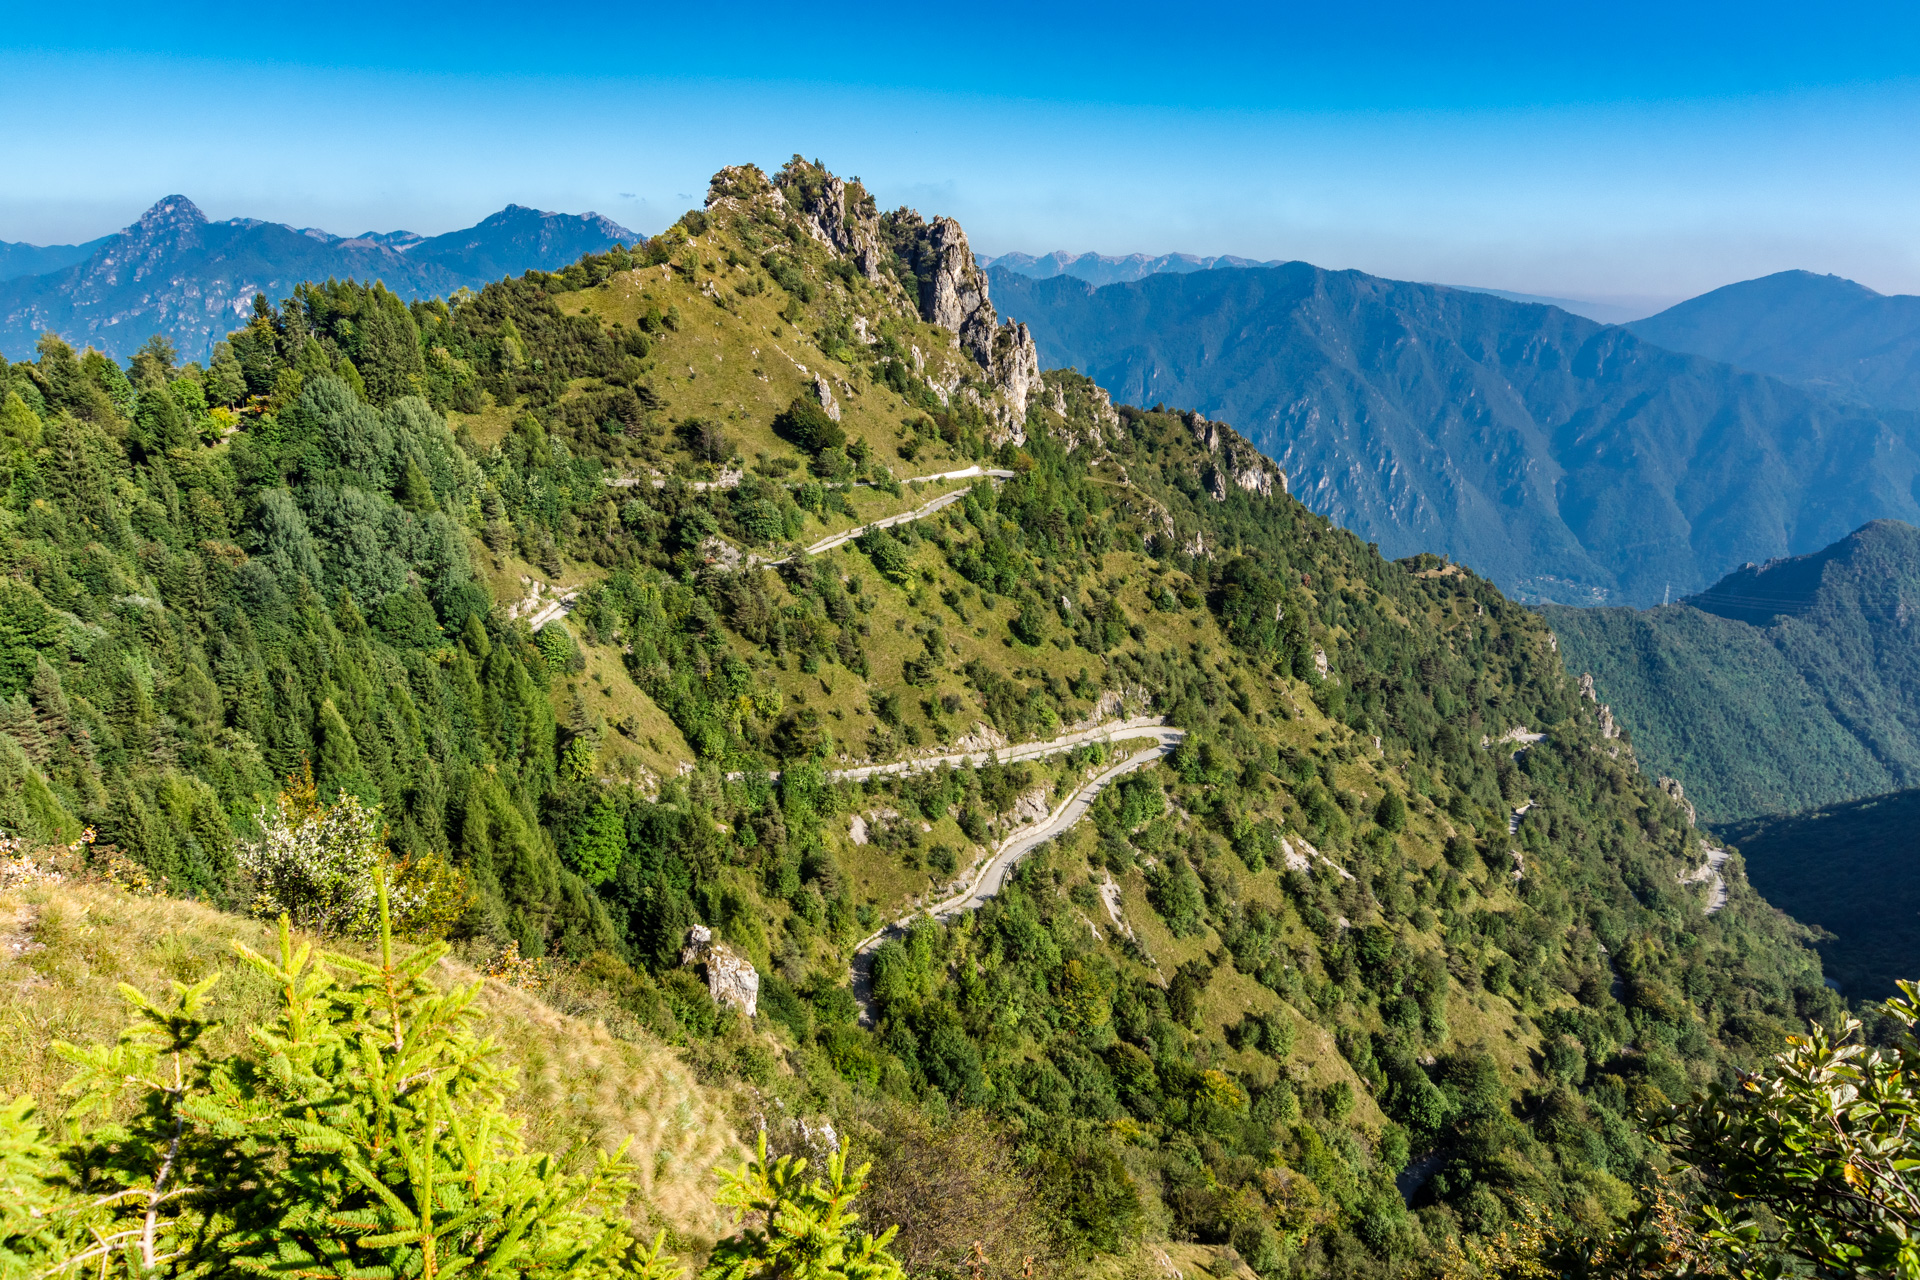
[[361, 1135]]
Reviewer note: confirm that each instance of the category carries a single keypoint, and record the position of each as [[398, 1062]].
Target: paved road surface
[[993, 873], [918, 513], [1138, 727], [732, 479]]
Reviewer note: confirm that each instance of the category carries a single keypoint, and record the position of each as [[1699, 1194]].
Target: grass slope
[[66, 948]]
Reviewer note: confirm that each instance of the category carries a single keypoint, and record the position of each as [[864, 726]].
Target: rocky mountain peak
[[170, 214], [918, 265], [838, 214]]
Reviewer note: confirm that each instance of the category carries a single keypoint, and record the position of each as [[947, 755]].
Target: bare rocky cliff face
[[1234, 461], [953, 294], [923, 268]]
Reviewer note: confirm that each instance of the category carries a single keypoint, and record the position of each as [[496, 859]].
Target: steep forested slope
[[1352, 929], [1823, 332], [1566, 460], [1784, 686]]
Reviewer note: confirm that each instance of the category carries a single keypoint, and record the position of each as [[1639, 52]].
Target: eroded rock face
[[839, 215], [1015, 370], [1235, 462], [824, 392], [731, 978], [1678, 794], [953, 295]]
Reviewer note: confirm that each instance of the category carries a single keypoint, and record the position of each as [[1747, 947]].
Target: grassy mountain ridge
[[1231, 1007], [1784, 686], [1566, 460]]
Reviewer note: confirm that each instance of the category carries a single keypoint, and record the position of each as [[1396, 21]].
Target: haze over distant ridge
[[1102, 269], [175, 273]]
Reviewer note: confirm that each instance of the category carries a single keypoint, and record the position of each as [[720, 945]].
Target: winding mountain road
[[918, 513], [992, 874], [1137, 727]]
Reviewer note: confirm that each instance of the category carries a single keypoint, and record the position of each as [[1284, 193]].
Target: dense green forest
[[1783, 687], [1302, 959]]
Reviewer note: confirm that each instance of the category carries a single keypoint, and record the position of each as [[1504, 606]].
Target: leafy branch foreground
[[361, 1135]]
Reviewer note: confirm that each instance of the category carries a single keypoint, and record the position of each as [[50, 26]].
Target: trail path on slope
[[732, 479], [1710, 874], [562, 607], [918, 513], [999, 864], [1138, 727]]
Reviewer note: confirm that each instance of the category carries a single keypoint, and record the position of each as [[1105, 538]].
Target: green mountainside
[[1567, 460], [1351, 974], [1849, 869], [1784, 686]]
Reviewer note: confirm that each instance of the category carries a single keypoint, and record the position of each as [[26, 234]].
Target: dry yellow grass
[[65, 948]]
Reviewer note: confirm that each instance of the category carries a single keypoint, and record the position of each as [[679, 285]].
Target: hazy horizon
[[1657, 154]]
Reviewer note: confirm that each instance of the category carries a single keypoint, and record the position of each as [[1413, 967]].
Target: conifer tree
[[807, 1229], [363, 1132]]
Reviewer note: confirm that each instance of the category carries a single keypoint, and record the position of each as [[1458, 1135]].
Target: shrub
[[317, 864], [807, 425]]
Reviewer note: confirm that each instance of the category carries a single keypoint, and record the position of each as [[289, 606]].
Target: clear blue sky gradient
[[1619, 150]]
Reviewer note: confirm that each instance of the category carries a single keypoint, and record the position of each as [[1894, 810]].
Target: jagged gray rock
[[842, 217], [953, 295], [1678, 794], [731, 978], [825, 393], [1235, 461]]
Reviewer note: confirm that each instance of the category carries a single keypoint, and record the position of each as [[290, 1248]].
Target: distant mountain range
[[175, 273], [36, 259], [1822, 332], [1098, 269], [1567, 460], [1782, 687]]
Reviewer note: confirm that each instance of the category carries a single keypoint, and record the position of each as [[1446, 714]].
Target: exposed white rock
[[1234, 461], [824, 392], [1030, 807], [731, 979], [1678, 794]]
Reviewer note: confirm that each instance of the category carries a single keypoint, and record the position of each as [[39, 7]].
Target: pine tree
[[361, 1133], [810, 1230]]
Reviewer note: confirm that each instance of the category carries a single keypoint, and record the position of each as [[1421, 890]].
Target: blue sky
[[1613, 150]]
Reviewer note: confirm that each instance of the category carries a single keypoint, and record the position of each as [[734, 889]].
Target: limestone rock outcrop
[[838, 214], [1234, 461], [731, 978], [915, 265], [953, 295], [1678, 794], [824, 392]]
